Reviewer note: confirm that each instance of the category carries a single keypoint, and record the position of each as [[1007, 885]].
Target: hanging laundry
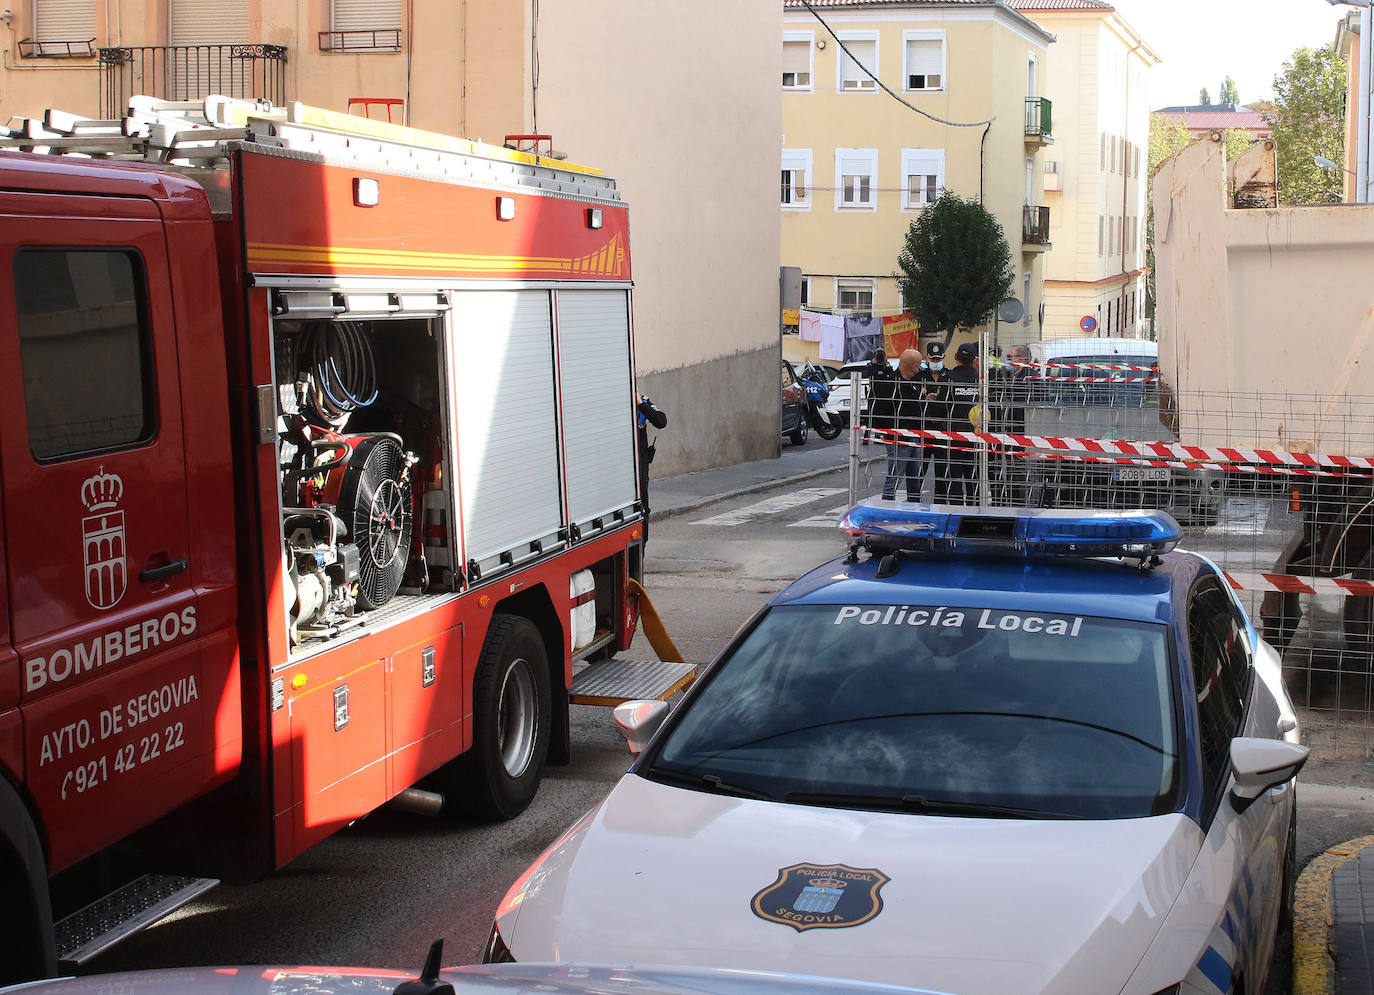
[[900, 332], [809, 326], [832, 337], [861, 337]]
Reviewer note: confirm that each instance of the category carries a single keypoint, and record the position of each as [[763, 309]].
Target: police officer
[[936, 453], [874, 373], [898, 402], [961, 392]]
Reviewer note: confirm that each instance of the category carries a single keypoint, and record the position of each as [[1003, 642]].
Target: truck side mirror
[[1260, 764], [638, 721]]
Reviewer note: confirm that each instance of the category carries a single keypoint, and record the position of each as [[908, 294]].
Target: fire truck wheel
[[512, 713]]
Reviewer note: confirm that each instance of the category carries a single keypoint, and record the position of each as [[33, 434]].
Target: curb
[[763, 485], [1313, 968]]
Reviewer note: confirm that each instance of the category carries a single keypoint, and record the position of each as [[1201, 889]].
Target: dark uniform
[[899, 402], [645, 415], [936, 453], [961, 394]]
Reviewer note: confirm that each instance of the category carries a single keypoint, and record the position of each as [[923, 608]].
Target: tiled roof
[[1059, 5], [1196, 120]]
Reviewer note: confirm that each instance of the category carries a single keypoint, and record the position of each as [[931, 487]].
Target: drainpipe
[[1362, 192]]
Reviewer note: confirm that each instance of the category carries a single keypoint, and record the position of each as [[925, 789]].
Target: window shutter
[[796, 59], [923, 59], [209, 22], [866, 52], [367, 15], [63, 20]]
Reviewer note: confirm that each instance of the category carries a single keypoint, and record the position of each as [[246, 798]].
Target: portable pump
[[881, 527]]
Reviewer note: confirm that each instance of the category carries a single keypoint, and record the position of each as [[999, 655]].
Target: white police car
[[1055, 757]]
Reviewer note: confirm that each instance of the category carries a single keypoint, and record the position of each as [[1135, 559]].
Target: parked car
[[794, 423], [1007, 752], [1077, 395]]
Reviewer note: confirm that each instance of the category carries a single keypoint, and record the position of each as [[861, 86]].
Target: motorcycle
[[827, 425]]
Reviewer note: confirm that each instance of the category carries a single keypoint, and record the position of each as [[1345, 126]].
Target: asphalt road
[[378, 892]]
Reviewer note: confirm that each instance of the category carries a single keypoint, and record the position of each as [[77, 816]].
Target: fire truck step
[[611, 682], [122, 913]]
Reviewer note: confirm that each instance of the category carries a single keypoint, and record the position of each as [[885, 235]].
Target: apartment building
[[692, 160], [965, 113], [1095, 177]]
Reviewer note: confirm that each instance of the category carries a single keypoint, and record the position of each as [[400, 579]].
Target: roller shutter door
[[198, 72], [507, 419], [209, 22], [598, 406]]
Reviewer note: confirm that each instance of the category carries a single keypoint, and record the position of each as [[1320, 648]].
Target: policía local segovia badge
[[821, 896]]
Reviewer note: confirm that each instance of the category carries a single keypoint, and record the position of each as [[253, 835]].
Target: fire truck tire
[[512, 711], [27, 948]]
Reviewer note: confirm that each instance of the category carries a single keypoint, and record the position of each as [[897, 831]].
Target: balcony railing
[[30, 49], [191, 72], [383, 40], [1038, 117], [1035, 226]]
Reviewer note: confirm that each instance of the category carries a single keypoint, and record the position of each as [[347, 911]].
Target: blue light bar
[[885, 527]]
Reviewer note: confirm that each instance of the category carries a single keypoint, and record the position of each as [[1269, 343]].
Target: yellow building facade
[[1096, 173], [858, 166], [689, 131]]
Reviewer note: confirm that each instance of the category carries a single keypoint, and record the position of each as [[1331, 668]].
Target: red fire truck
[[317, 477]]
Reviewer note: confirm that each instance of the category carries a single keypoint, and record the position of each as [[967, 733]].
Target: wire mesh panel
[[1277, 489]]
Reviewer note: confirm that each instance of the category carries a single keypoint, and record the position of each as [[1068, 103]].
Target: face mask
[[937, 367]]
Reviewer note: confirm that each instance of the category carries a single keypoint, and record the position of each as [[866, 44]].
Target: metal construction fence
[[1277, 489]]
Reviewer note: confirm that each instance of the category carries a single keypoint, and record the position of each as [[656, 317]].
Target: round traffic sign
[[1088, 323]]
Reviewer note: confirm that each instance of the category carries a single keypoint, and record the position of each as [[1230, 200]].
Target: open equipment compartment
[[363, 451]]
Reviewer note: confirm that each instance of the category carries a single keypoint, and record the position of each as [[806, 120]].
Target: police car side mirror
[[1260, 764], [638, 721]]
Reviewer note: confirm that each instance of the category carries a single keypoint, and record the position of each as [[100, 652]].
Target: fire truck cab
[[317, 478]]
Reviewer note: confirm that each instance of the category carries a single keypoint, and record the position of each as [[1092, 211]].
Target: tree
[[1307, 121], [1204, 98], [956, 266], [1229, 93]]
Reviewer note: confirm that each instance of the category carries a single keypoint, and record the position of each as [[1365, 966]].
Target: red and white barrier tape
[[1141, 449], [1292, 584], [1097, 379]]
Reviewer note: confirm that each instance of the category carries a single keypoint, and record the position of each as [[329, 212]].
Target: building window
[[805, 291], [855, 296], [856, 179], [1101, 227], [85, 350], [61, 28], [863, 47], [796, 60], [363, 26], [924, 60], [796, 179], [1103, 163], [923, 176], [1026, 290]]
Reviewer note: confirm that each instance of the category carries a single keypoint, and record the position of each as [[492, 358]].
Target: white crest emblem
[[102, 537]]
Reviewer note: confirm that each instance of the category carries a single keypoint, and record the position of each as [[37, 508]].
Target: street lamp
[[1322, 162]]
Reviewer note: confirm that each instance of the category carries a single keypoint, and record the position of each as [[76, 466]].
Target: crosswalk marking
[[825, 520], [771, 506]]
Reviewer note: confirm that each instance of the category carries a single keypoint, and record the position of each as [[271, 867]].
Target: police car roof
[[1099, 587]]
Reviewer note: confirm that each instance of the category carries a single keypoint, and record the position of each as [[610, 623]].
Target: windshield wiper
[[708, 782], [919, 803]]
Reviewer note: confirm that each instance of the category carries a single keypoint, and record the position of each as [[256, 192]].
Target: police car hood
[[666, 875]]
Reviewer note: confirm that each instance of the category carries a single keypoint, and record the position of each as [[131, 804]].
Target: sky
[[1201, 42]]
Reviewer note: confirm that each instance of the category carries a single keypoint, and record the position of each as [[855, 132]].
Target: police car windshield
[[1061, 715]]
